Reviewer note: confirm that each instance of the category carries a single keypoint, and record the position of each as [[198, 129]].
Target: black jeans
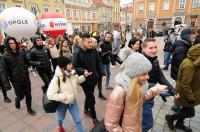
[[185, 112], [3, 90], [46, 76], [54, 63], [24, 89], [89, 100]]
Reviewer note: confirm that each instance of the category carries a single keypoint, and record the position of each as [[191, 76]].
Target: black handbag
[[50, 106], [99, 127]]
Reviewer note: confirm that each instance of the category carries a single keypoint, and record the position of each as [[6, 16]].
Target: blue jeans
[[74, 111], [147, 117], [167, 58], [107, 71]]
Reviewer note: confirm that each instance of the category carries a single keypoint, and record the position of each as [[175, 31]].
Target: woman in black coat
[[15, 65]]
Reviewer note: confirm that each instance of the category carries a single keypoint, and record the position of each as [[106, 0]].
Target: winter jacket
[[66, 52], [14, 67], [88, 59], [40, 57], [156, 75], [67, 91], [116, 46], [106, 52], [118, 113], [188, 81], [179, 54]]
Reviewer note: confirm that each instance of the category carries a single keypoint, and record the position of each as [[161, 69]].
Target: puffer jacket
[[118, 113], [40, 55], [179, 54], [188, 81], [67, 92], [14, 66]]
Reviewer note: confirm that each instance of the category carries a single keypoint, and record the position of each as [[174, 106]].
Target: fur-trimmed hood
[[194, 54]]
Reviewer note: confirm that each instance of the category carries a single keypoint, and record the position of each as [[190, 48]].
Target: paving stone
[[15, 126]]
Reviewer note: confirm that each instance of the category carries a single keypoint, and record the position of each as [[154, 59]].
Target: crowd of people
[[85, 59]]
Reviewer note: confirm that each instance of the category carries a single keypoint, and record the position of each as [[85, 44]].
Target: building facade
[[116, 14], [166, 13], [104, 15], [37, 6], [82, 14], [126, 17]]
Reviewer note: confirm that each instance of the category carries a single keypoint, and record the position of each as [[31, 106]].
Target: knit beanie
[[63, 61], [137, 64]]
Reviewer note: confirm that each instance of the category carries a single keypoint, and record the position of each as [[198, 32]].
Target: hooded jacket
[[106, 52], [40, 55], [67, 91], [188, 81], [14, 66], [179, 54], [118, 113]]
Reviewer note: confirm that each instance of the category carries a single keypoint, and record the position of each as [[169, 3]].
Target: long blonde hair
[[134, 94]]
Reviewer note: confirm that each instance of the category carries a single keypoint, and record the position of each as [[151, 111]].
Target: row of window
[[34, 8], [166, 4], [86, 15]]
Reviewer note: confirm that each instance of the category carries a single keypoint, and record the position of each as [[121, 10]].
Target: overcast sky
[[126, 1]]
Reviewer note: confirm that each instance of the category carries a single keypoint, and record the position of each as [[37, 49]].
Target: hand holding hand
[[86, 73], [162, 88]]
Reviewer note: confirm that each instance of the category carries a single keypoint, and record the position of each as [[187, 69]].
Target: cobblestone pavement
[[14, 120]]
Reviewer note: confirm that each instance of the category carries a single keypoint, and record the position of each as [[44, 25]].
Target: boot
[[180, 125], [87, 112], [61, 129], [17, 103], [170, 121], [31, 112], [102, 97], [7, 100], [95, 121]]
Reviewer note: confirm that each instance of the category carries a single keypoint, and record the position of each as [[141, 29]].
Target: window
[[88, 15], [2, 6], [141, 8], [151, 8], [196, 4], [18, 5], [34, 9], [181, 4], [58, 11], [75, 14], [166, 5], [93, 15], [68, 13], [84, 15], [46, 9]]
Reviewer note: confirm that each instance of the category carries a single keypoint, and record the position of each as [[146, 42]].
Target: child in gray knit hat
[[126, 100]]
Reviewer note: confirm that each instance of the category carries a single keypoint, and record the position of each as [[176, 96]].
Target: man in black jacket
[[40, 57], [106, 54], [88, 62], [180, 50], [155, 76], [15, 65]]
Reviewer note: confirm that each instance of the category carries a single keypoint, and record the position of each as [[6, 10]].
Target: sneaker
[[170, 122], [102, 97], [61, 129], [17, 103], [31, 112], [7, 100], [183, 127]]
